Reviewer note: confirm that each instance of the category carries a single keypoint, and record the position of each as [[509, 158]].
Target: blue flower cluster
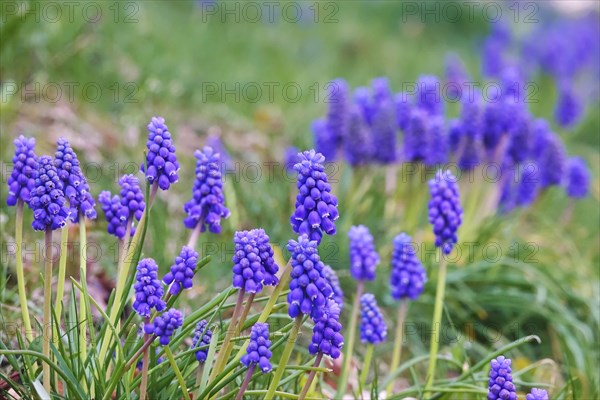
[[577, 178], [258, 350], [123, 209], [316, 207], [373, 329], [47, 198], [363, 256], [334, 281], [111, 205], [161, 159], [148, 288], [537, 394], [327, 337], [21, 181], [309, 289], [164, 325], [445, 211], [207, 205], [408, 277], [182, 272], [75, 185], [501, 385], [202, 338], [253, 263]]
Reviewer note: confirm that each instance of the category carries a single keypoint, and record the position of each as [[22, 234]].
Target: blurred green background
[[147, 58]]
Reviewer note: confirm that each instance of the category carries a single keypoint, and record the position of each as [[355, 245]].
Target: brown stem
[[247, 379], [311, 376], [145, 365]]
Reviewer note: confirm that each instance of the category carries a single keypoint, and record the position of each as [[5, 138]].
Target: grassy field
[[201, 72]]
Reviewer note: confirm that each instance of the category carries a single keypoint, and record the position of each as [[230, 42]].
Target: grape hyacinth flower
[[551, 160], [415, 136], [265, 251], [258, 351], [327, 337], [207, 205], [408, 277], [437, 142], [291, 158], [47, 198], [21, 181], [324, 140], [182, 272], [248, 271], [75, 185], [334, 281], [338, 111], [357, 146], [445, 211], [403, 110], [428, 95], [373, 329], [363, 256], [537, 394], [202, 338], [111, 205], [132, 199], [383, 132], [316, 206], [148, 288], [577, 179], [470, 133], [164, 325], [501, 385], [309, 289], [568, 109], [161, 159]]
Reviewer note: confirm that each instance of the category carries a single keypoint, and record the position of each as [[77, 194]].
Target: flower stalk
[[285, 356], [366, 366], [396, 355], [62, 272], [145, 365], [20, 271], [47, 314], [436, 324], [247, 379], [83, 310], [311, 377]]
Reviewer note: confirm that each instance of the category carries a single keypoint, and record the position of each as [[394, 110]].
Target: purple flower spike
[[324, 141], [182, 272], [338, 112], [148, 289], [316, 206], [408, 276], [537, 394], [258, 350], [309, 288], [75, 185], [428, 95], [21, 181], [501, 386], [164, 325], [161, 159], [357, 146], [415, 136], [550, 159], [437, 142], [577, 178], [111, 205], [47, 198], [334, 281], [384, 132], [207, 205], [270, 268], [291, 158], [254, 265], [445, 211], [569, 108], [132, 199], [403, 110], [202, 338], [327, 337], [363, 256], [373, 329]]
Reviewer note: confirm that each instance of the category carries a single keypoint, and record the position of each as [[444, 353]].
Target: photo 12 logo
[[70, 11], [269, 11]]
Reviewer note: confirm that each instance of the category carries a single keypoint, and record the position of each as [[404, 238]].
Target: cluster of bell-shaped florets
[[445, 211], [47, 198], [327, 337], [164, 325], [316, 207], [21, 181], [148, 288], [363, 256], [253, 263], [501, 385], [201, 340], [162, 166], [182, 272], [373, 329], [258, 351], [408, 277]]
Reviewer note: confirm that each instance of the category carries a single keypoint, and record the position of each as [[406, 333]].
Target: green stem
[[62, 273], [247, 379], [311, 376], [83, 311], [285, 356], [396, 355], [245, 312], [366, 366], [47, 299], [184, 389], [351, 335], [436, 324], [20, 272]]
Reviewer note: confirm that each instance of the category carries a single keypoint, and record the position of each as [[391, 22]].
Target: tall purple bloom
[[494, 121], [338, 111], [445, 211], [21, 181], [381, 90], [334, 281], [537, 394], [364, 101], [309, 288], [148, 288], [501, 385], [577, 178], [403, 110], [550, 158], [527, 186], [437, 142], [291, 158], [470, 133], [428, 95], [111, 205], [316, 206], [408, 277], [569, 108], [253, 263], [384, 132], [182, 272], [373, 329], [363, 256], [202, 338], [455, 74], [324, 141], [47, 198], [132, 199], [164, 325], [259, 349], [161, 159], [357, 146], [327, 337], [75, 185], [207, 205], [415, 136]]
